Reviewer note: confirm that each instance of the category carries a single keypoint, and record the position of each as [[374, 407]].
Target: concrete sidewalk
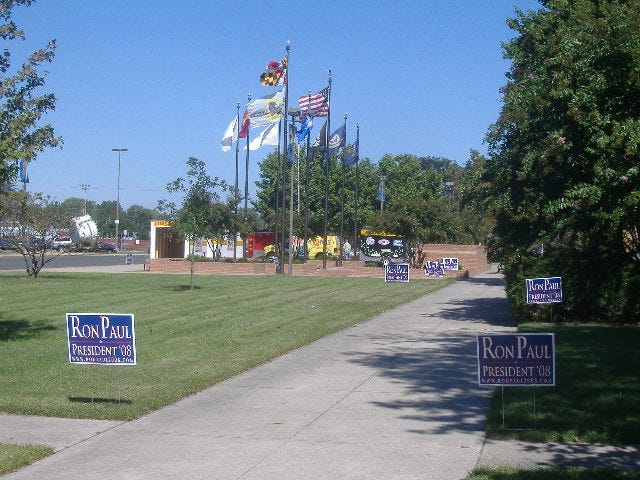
[[392, 398]]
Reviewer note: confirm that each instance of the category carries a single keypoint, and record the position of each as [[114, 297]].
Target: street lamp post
[[84, 188], [118, 244]]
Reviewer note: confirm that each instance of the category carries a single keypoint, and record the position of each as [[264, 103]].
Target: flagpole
[[306, 189], [286, 129], [291, 204], [235, 193], [298, 177], [246, 188], [355, 224], [276, 240], [344, 154], [326, 176], [285, 133]]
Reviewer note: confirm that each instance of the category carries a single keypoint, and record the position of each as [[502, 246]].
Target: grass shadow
[[184, 288], [597, 394], [21, 329], [100, 400]]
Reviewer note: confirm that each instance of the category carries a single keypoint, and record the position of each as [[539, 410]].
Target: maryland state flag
[[275, 73]]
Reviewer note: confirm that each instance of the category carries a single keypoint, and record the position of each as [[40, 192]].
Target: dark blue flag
[[336, 140], [353, 154]]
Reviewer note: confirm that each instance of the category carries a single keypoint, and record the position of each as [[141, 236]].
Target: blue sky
[[162, 78]]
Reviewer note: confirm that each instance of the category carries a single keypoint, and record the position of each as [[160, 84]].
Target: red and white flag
[[316, 105]]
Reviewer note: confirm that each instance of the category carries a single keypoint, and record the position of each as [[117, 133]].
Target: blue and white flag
[[22, 171], [305, 129], [269, 136], [382, 196]]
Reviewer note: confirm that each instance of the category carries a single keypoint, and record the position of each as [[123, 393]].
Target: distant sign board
[[544, 290], [396, 272], [526, 359], [434, 269], [450, 263], [101, 338]]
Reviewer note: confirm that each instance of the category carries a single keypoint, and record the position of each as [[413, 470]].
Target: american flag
[[316, 105]]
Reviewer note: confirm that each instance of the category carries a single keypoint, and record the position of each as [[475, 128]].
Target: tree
[[415, 200], [30, 223], [138, 220], [477, 208], [21, 105], [201, 214], [270, 184], [104, 214], [566, 154]]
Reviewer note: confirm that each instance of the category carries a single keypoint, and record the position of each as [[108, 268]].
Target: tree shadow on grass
[[183, 288], [21, 329]]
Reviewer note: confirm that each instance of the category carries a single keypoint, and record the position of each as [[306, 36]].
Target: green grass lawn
[[597, 394], [186, 339], [505, 473], [13, 456]]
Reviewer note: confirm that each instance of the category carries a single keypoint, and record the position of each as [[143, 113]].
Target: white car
[[62, 244]]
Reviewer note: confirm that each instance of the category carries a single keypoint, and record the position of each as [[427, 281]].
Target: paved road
[[100, 261], [392, 398]]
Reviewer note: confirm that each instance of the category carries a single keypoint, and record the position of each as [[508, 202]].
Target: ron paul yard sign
[[517, 360], [544, 290], [101, 338]]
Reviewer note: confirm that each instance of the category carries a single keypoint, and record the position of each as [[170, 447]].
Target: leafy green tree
[[74, 205], [565, 154], [416, 205], [104, 214], [268, 186], [201, 214], [138, 220], [22, 106], [477, 206]]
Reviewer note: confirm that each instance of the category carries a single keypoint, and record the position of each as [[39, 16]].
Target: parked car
[[104, 247], [62, 244]]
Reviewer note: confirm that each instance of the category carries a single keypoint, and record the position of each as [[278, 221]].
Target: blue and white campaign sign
[[544, 290], [450, 263], [101, 338], [434, 269], [526, 359], [396, 272]]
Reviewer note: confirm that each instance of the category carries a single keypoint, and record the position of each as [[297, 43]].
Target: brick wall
[[470, 257], [311, 268]]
